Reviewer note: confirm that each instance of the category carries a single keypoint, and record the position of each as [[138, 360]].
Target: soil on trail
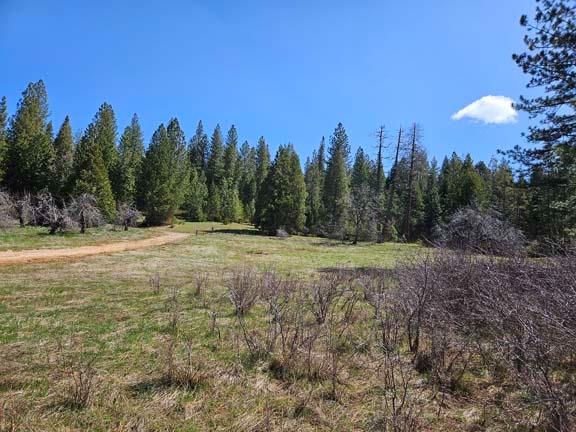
[[43, 255]]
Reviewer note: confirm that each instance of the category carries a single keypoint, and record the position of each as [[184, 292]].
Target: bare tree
[[84, 209], [7, 210], [49, 214], [25, 209], [127, 216]]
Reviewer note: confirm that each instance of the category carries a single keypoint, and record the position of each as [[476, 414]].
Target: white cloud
[[489, 109]]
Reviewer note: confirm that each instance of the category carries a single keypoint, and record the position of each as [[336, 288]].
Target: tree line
[[215, 178]]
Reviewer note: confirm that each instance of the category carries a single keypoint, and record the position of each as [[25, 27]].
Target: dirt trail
[[43, 255]]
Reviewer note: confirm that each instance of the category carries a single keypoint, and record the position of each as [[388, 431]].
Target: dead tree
[[386, 226], [127, 216]]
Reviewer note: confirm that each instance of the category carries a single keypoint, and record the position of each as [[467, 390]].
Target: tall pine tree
[[30, 153], [64, 159], [282, 200], [3, 136], [336, 188], [130, 157]]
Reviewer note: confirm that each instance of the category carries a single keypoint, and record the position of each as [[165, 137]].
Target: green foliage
[[106, 132], [90, 174], [64, 159], [130, 157], [30, 153], [231, 156], [282, 199], [247, 186], [262, 163], [432, 208], [215, 171], [165, 174], [199, 147], [197, 198], [336, 187], [231, 206]]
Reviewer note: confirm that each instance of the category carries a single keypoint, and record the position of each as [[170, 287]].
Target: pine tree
[[197, 198], [432, 209], [64, 159], [549, 61], [199, 147], [362, 199], [180, 163], [282, 200], [106, 134], [471, 187], [161, 174], [314, 179], [30, 153], [3, 136], [231, 207], [130, 157], [247, 187], [231, 157], [262, 163], [90, 174], [215, 170], [214, 203], [336, 190]]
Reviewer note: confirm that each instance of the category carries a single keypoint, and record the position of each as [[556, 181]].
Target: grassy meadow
[[56, 317]]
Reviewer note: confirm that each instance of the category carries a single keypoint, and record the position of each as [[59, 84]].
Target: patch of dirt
[[43, 255]]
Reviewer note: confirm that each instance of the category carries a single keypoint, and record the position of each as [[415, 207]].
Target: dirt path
[[43, 255]]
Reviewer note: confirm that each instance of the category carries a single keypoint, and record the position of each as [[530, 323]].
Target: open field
[[52, 313], [149, 340]]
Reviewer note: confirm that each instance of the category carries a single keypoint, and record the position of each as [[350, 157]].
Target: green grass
[[38, 238], [104, 304]]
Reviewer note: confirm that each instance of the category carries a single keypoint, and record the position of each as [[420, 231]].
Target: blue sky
[[287, 70]]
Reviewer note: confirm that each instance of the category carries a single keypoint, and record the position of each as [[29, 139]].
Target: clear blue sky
[[287, 70]]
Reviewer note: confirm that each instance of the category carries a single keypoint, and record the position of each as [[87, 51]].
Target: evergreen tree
[[130, 157], [196, 199], [30, 153], [215, 171], [471, 186], [231, 207], [336, 190], [165, 174], [247, 187], [64, 159], [262, 163], [181, 161], [549, 61], [214, 203], [231, 157], [90, 174], [3, 136], [314, 179], [432, 209], [362, 201], [199, 147], [282, 199], [106, 132]]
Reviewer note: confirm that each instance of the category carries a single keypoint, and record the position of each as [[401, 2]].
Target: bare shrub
[[401, 398], [85, 212], [181, 370], [25, 209], [7, 210], [481, 232], [200, 282], [324, 292], [49, 214], [78, 368], [155, 283], [243, 287], [127, 216]]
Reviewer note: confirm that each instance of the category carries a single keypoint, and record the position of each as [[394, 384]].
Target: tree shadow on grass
[[358, 271]]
